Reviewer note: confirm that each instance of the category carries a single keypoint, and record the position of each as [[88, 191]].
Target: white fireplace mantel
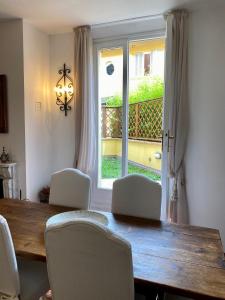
[[9, 180]]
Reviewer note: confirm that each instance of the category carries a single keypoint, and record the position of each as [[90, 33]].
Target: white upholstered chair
[[70, 187], [25, 281], [88, 261], [136, 195]]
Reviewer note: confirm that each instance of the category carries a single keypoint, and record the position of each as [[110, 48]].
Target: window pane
[[110, 102], [146, 67]]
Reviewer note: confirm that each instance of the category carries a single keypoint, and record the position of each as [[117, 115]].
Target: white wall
[[38, 129], [11, 64], [50, 136], [205, 157], [40, 141], [63, 128]]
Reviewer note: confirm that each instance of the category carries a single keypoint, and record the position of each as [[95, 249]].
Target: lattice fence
[[145, 120]]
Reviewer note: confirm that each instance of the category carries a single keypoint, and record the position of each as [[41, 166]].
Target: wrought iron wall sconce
[[64, 89]]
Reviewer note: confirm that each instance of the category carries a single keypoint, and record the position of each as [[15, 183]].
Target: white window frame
[[117, 42]]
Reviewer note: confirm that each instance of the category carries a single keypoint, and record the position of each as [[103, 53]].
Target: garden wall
[[139, 152]]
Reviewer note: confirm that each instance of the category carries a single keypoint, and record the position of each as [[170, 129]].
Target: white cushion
[[136, 195], [9, 276], [28, 279], [88, 261], [70, 187]]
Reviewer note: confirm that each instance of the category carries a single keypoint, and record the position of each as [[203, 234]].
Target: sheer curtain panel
[[176, 85], [85, 116]]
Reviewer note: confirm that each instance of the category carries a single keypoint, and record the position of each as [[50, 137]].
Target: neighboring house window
[[142, 64], [147, 64]]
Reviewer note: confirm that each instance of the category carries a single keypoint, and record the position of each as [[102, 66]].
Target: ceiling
[[54, 16]]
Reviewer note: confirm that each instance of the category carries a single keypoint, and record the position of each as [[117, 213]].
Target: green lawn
[[111, 168]]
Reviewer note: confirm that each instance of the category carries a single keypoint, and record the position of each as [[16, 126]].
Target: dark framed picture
[[3, 105]]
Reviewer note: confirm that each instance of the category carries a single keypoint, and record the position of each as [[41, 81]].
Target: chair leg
[[149, 292], [160, 295], [155, 295]]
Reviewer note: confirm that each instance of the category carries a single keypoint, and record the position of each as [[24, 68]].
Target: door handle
[[168, 136]]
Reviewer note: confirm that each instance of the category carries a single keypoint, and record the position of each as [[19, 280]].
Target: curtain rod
[[126, 21]]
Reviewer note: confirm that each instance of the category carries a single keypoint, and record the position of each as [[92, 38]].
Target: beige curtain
[[176, 84], [85, 133]]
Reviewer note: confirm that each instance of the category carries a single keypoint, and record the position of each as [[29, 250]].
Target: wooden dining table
[[180, 259]]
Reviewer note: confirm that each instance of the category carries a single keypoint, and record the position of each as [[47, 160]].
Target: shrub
[[148, 89]]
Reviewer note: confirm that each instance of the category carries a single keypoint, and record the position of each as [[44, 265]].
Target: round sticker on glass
[[110, 69]]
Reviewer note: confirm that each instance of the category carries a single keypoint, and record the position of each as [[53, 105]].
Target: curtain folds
[[85, 116], [176, 84]]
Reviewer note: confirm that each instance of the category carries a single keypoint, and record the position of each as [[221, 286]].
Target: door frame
[[122, 42]]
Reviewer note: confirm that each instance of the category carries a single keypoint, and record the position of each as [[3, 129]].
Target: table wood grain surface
[[185, 260]]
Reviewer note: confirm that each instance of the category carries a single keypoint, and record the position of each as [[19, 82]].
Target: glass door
[[112, 111], [130, 89], [110, 65], [146, 90]]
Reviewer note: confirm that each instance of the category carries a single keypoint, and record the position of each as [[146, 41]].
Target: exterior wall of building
[[111, 85]]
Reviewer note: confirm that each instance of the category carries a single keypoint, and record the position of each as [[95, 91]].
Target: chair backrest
[[9, 276], [70, 187], [136, 195], [87, 261]]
